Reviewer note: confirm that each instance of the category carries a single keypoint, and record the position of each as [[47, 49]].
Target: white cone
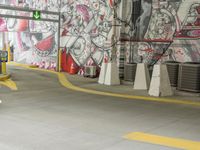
[[160, 83], [102, 73], [142, 78], [112, 74]]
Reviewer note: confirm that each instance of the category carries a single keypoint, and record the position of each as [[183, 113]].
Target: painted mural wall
[[35, 42], [86, 28], [151, 31], [160, 30]]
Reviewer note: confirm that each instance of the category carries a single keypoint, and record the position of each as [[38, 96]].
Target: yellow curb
[[33, 66], [63, 80], [4, 77]]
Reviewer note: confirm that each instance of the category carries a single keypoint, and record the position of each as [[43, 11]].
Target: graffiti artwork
[[154, 30], [85, 29], [35, 42], [172, 32]]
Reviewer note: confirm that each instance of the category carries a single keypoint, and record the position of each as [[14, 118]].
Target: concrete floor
[[43, 115]]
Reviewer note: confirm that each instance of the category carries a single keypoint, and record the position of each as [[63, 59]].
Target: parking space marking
[[163, 141]]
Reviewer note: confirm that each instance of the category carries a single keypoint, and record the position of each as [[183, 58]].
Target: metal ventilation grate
[[189, 77], [129, 71], [90, 71], [172, 68]]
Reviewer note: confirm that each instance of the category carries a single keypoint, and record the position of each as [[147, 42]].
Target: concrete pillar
[[160, 83], [112, 74], [142, 78], [102, 73]]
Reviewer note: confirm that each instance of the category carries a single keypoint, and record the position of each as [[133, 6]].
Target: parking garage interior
[[99, 74]]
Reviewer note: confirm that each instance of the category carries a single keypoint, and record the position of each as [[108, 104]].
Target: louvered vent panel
[[189, 77], [172, 69], [90, 71], [129, 72]]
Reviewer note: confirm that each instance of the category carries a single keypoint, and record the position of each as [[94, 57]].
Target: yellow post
[[60, 61], [9, 53], [3, 64], [3, 68]]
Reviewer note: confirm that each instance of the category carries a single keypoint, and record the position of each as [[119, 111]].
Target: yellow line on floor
[[4, 77], [63, 81], [164, 141], [10, 84]]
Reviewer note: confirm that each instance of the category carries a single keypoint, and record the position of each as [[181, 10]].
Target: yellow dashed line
[[63, 80], [163, 141]]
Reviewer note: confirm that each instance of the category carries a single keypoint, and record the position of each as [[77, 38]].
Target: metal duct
[[189, 77], [172, 68], [129, 71]]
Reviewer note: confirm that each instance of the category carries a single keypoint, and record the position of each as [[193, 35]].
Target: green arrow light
[[36, 15]]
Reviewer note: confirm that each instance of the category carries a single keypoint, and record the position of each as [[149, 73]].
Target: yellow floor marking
[[164, 141], [19, 65], [9, 83], [4, 77], [63, 80]]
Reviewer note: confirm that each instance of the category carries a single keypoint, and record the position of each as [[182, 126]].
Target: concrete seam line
[[64, 82]]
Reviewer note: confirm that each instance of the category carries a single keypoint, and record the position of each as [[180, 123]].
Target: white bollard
[[142, 78], [160, 83], [102, 73], [112, 74]]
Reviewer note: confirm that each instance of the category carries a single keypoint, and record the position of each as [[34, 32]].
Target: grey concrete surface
[[127, 88], [43, 115]]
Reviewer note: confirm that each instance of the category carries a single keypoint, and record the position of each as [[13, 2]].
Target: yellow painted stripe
[[4, 77], [9, 83], [67, 84], [164, 141], [3, 67], [63, 80], [33, 66]]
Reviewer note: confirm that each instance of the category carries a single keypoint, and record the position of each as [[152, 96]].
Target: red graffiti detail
[[111, 3], [159, 56], [64, 33], [45, 44], [197, 22], [149, 50], [198, 9], [102, 17]]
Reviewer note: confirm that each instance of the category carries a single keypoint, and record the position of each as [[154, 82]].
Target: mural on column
[[35, 41], [173, 31], [86, 28]]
